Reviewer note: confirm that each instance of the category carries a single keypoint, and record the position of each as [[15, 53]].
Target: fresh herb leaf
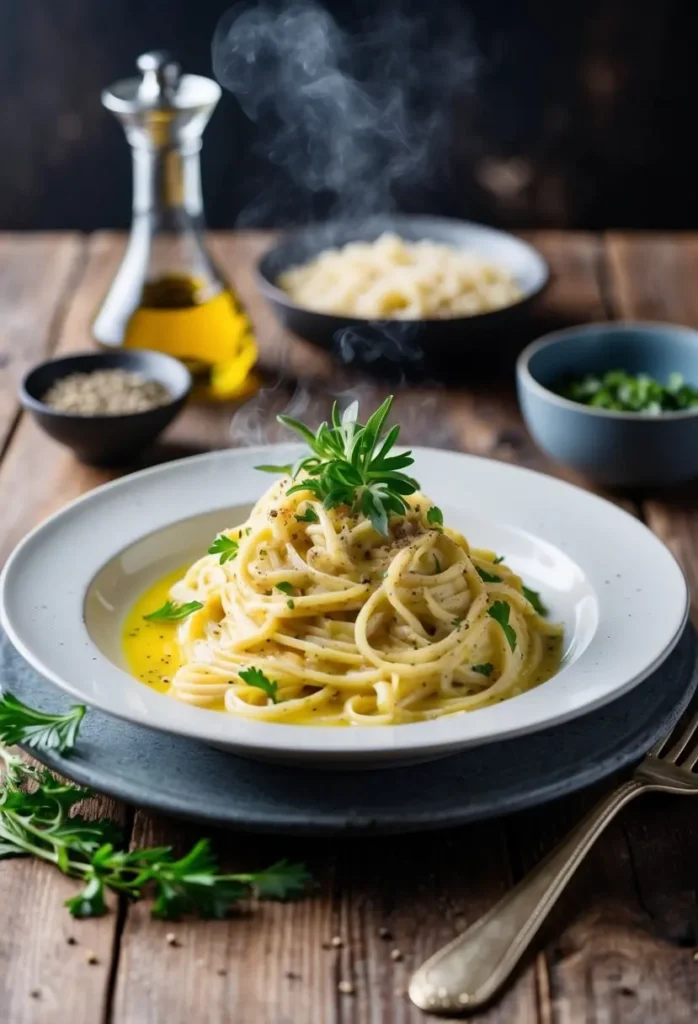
[[457, 621], [22, 724], [435, 517], [500, 613], [172, 612], [275, 469], [624, 392], [291, 603], [224, 546], [309, 516], [285, 588], [488, 577], [40, 822], [282, 881], [437, 564], [484, 670], [533, 597], [255, 677], [498, 559], [350, 465]]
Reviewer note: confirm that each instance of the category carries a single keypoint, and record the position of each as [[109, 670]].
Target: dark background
[[584, 114]]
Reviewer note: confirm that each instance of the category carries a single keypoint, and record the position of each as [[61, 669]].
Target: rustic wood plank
[[648, 967], [42, 977], [577, 969], [36, 274], [45, 976], [277, 967]]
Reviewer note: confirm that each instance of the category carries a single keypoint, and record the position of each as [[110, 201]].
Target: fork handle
[[468, 971]]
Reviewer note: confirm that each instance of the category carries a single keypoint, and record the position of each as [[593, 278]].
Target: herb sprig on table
[[38, 819], [623, 392], [351, 464]]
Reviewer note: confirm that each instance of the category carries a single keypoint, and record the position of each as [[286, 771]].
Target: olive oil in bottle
[[211, 333], [168, 294]]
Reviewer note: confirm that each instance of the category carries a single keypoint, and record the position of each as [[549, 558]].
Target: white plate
[[67, 587]]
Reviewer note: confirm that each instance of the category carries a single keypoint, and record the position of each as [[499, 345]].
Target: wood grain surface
[[621, 945]]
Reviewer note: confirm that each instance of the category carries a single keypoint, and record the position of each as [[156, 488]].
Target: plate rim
[[281, 822], [317, 744]]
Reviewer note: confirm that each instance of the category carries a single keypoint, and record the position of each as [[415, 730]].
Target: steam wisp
[[351, 118]]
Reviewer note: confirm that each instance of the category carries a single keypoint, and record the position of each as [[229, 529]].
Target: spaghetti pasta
[[345, 624]]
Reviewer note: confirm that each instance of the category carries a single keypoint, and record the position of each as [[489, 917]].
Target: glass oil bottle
[[168, 294]]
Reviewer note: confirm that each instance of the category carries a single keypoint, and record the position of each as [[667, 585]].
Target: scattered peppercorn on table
[[622, 945]]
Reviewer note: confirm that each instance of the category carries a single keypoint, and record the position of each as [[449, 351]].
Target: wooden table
[[621, 946]]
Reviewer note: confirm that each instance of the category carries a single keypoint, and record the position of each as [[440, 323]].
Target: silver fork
[[468, 971]]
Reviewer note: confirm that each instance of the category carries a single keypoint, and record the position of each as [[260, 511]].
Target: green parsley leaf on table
[[500, 613], [172, 612], [350, 464], [22, 724], [224, 546], [255, 677], [533, 597], [38, 819]]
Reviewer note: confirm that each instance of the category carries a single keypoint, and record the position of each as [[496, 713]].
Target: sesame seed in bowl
[[106, 406], [112, 392]]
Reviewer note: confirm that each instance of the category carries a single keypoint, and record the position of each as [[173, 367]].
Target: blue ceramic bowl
[[617, 449], [106, 440]]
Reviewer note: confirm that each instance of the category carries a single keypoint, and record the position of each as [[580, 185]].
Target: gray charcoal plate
[[184, 778]]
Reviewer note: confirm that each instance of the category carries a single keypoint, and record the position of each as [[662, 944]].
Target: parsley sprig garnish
[[534, 598], [22, 724], [170, 611], [309, 516], [487, 577], [38, 819], [435, 517], [350, 465], [500, 613], [224, 546], [255, 677]]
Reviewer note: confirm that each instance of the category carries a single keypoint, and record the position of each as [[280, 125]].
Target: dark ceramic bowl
[[617, 449], [330, 331], [106, 440]]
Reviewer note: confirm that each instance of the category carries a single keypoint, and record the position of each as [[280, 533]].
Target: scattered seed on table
[[35, 993], [221, 972], [171, 939], [336, 941], [346, 988], [71, 940], [395, 954], [91, 957]]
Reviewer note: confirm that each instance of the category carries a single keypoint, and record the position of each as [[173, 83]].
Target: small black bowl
[[106, 440], [361, 340]]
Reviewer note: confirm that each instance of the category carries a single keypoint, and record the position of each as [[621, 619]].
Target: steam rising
[[420, 414], [353, 119]]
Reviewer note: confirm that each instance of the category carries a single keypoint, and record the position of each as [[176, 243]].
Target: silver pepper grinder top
[[162, 107]]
